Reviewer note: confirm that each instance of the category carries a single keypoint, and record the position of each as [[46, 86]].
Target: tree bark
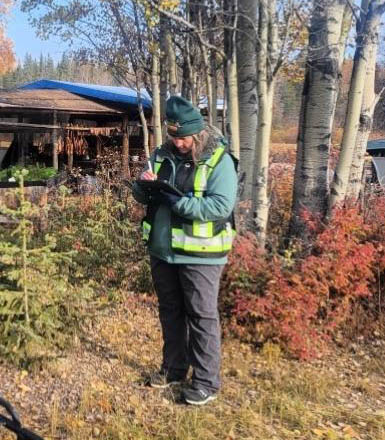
[[156, 99], [214, 87], [317, 111], [163, 85], [266, 58], [247, 91], [231, 8], [142, 117], [365, 43], [172, 67], [369, 102]]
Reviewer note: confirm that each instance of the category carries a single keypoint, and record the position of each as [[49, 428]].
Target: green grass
[[35, 172]]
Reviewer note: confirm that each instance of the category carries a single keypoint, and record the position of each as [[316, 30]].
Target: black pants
[[188, 311]]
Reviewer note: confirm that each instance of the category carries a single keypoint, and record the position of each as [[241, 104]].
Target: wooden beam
[[55, 157], [49, 110], [24, 126]]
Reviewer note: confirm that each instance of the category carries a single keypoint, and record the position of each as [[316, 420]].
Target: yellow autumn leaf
[[350, 431]]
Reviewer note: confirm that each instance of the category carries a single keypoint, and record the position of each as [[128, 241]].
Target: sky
[[25, 40]]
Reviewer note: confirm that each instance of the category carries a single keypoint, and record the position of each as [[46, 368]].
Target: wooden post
[[21, 140], [125, 149], [55, 158]]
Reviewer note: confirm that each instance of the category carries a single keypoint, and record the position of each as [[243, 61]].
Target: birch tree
[[231, 74], [267, 48], [328, 30], [369, 101], [367, 40], [247, 90], [226, 51], [278, 41]]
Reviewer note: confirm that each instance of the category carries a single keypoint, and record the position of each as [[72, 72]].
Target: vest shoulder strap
[[158, 161], [205, 169]]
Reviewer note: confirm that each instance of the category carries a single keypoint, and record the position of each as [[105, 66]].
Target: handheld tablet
[[158, 185]]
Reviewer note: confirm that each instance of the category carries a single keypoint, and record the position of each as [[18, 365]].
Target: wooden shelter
[[66, 124]]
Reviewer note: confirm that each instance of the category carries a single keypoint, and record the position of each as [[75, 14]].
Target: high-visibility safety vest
[[205, 239]]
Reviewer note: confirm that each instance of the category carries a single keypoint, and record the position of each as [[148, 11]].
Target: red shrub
[[300, 303]]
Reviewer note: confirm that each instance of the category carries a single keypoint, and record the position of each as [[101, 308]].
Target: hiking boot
[[198, 396], [163, 380]]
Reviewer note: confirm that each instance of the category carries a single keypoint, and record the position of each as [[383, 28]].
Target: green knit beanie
[[183, 119]]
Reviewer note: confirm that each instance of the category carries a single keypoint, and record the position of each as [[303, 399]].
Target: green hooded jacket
[[217, 204]]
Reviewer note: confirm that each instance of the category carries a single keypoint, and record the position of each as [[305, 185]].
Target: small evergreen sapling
[[38, 305]]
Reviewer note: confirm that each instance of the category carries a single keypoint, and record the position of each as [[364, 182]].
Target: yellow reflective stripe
[[220, 243], [157, 163], [215, 157], [200, 180], [205, 229], [202, 229], [204, 170], [146, 229]]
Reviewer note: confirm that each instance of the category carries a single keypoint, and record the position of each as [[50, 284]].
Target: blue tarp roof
[[377, 144], [122, 95]]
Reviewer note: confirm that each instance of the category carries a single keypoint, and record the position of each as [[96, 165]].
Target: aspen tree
[[327, 34], [369, 102], [247, 90], [231, 74], [266, 60], [367, 38], [156, 110]]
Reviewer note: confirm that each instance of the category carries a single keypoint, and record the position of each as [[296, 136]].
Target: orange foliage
[[7, 56], [286, 135]]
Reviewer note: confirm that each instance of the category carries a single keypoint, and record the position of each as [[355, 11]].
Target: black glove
[[166, 198]]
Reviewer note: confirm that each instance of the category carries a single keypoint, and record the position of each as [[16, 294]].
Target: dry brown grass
[[98, 390], [288, 135]]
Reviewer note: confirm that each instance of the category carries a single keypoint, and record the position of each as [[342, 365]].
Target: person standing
[[188, 239]]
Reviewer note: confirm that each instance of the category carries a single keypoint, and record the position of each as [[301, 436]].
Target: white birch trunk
[[171, 62], [142, 117], [366, 41], [317, 111], [206, 68], [369, 102], [214, 85], [231, 75], [267, 53], [233, 104], [163, 70], [209, 92], [156, 100], [247, 91]]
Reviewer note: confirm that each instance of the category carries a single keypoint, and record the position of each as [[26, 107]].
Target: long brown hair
[[200, 140]]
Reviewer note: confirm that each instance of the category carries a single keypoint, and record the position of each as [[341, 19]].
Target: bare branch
[[190, 26]]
